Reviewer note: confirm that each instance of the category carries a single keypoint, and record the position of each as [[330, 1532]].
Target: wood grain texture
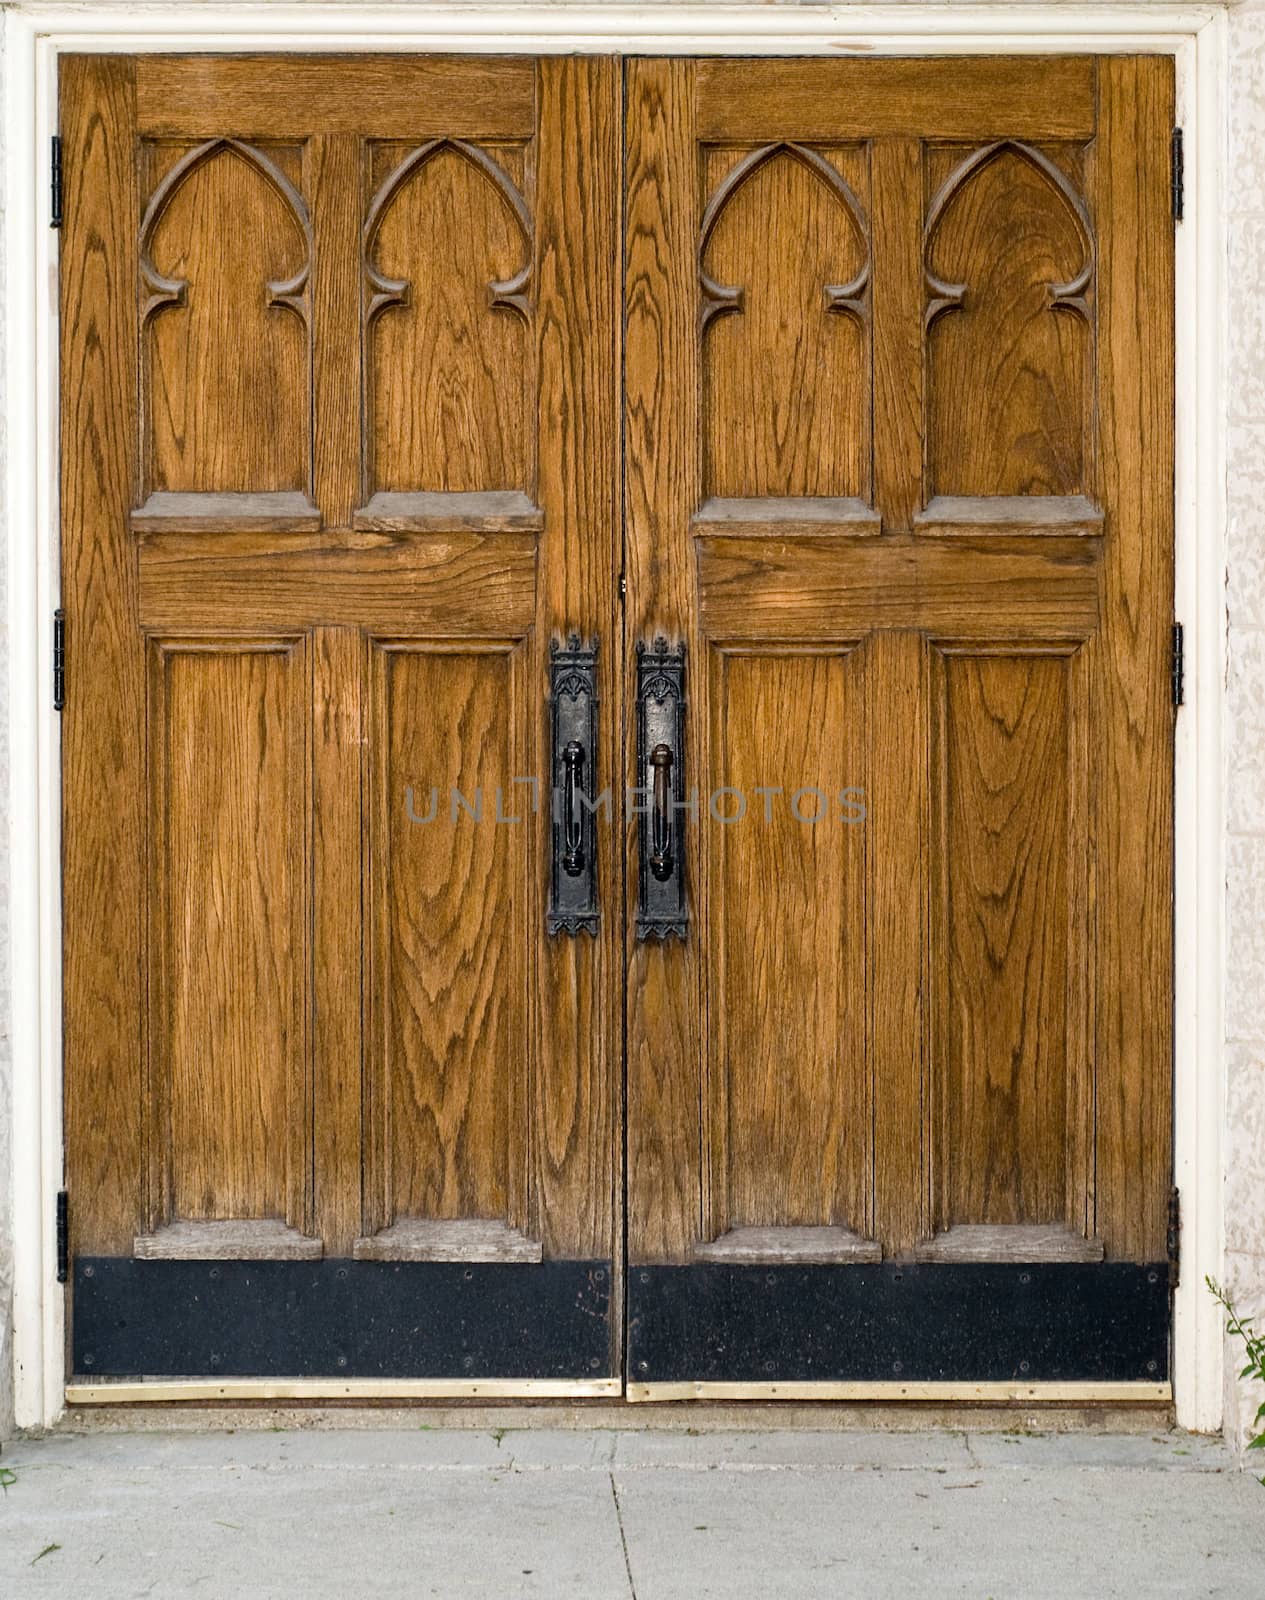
[[335, 183], [576, 1132], [227, 1103], [666, 1020], [448, 970], [448, 364], [898, 956], [1133, 749], [998, 97], [449, 584], [103, 794], [337, 877], [226, 341], [384, 96], [1009, 260], [261, 1239], [1051, 1241], [789, 1246], [897, 295], [786, 370], [788, 1129], [466, 1239], [830, 589], [1004, 835]]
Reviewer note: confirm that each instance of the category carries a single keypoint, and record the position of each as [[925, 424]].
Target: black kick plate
[[341, 1319], [899, 1322]]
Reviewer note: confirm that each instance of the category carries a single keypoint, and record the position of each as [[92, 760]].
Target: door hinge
[[1178, 175], [59, 659], [1178, 667], [63, 1236], [1174, 1236], [55, 184]]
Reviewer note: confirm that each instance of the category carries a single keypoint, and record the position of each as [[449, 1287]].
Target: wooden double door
[[618, 739]]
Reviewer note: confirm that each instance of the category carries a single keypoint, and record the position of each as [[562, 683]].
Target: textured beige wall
[[1245, 732], [1245, 776]]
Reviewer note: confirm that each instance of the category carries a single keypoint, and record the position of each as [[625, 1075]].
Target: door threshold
[[129, 1391], [953, 1393]]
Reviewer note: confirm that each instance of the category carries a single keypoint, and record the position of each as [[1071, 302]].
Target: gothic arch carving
[[507, 293], [718, 299], [166, 291], [1070, 295]]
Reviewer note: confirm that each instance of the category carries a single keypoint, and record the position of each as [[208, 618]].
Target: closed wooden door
[[408, 774], [339, 424], [899, 485]]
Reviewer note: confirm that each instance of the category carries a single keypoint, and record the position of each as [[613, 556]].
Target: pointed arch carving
[[1008, 264], [718, 299], [507, 293], [167, 291], [1070, 295], [225, 244]]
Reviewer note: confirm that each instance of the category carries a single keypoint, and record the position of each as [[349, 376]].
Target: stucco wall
[[1245, 733], [1245, 746]]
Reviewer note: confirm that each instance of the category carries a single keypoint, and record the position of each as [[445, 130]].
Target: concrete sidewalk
[[610, 1515]]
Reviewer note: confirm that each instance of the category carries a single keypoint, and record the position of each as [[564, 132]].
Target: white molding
[[35, 34]]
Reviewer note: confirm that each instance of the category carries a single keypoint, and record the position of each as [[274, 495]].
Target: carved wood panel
[[449, 978], [785, 331], [225, 316], [1009, 260], [226, 1103], [448, 324]]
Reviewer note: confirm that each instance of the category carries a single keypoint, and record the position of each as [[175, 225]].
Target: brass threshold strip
[[126, 1391], [946, 1392]]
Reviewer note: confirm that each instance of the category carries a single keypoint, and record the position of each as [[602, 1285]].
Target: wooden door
[[339, 434], [899, 493]]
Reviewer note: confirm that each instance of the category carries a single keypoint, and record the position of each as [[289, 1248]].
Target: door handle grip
[[572, 821], [661, 814], [573, 907], [661, 910]]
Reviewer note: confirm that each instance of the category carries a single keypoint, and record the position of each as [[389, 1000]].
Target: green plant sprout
[[1243, 1328]]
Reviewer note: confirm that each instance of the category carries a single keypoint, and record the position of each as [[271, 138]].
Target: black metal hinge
[[63, 1236], [59, 659], [1178, 178], [55, 184], [1178, 667], [1174, 1236]]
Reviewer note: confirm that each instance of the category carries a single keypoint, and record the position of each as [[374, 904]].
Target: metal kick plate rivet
[[645, 1277], [1025, 1277], [1151, 1366], [215, 1272], [1025, 1366], [898, 1367], [342, 1361], [89, 1272], [342, 1272], [594, 1363], [1152, 1277], [90, 1361], [643, 1366], [467, 1362]]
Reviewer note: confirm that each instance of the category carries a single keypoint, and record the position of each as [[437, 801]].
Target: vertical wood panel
[[335, 183], [338, 660], [228, 931], [102, 781], [1003, 968], [897, 207], [447, 993], [789, 1116], [897, 826], [580, 996], [661, 441], [1135, 744]]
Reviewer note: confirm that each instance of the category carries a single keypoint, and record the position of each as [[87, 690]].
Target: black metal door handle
[[573, 714], [661, 815], [661, 911], [572, 822]]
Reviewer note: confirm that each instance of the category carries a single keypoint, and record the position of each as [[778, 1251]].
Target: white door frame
[[35, 34]]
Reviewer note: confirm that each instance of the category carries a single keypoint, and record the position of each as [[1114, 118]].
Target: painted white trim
[[36, 34]]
